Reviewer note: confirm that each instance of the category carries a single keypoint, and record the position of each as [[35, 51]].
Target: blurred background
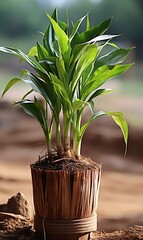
[[21, 139]]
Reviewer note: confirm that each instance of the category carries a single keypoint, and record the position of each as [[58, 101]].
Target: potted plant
[[69, 69]]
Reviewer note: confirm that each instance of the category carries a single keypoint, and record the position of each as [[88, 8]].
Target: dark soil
[[66, 164]]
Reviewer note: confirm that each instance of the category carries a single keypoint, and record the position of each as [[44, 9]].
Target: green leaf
[[28, 80], [87, 23], [29, 92], [76, 27], [87, 72], [35, 110], [61, 35], [94, 31], [113, 45], [91, 107], [101, 75], [77, 52], [22, 56], [32, 52], [24, 72], [48, 40], [62, 25], [117, 117], [59, 88], [98, 93], [85, 60], [42, 52], [49, 66], [10, 84], [55, 15], [50, 37], [78, 104], [102, 38], [61, 70], [95, 94], [114, 57], [121, 122], [86, 125], [46, 90], [67, 21]]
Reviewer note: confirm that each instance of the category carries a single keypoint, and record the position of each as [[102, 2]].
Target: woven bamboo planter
[[65, 203]]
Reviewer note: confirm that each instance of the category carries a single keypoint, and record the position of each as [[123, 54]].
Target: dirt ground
[[121, 193], [22, 230]]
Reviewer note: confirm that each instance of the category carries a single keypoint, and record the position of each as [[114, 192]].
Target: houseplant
[[69, 69]]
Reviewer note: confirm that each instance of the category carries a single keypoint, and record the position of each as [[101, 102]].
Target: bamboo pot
[[65, 203]]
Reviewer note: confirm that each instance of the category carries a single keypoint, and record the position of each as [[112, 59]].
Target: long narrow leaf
[[114, 57], [37, 111], [10, 84], [101, 75], [94, 31], [99, 92], [77, 52], [48, 41], [102, 38], [61, 35], [87, 23], [42, 52], [85, 60], [47, 91], [117, 117], [49, 36], [26, 94], [121, 122], [61, 69], [76, 27], [86, 125], [24, 57], [86, 73], [60, 90]]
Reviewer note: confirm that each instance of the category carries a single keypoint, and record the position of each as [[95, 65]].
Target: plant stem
[[48, 131], [77, 149], [76, 137], [48, 142], [66, 135], [58, 138]]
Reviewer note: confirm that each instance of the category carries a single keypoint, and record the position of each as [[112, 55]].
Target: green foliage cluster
[[69, 69]]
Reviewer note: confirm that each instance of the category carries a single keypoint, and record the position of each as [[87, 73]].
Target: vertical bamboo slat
[[65, 193], [75, 194], [87, 195]]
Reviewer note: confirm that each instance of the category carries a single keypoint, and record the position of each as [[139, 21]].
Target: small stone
[[18, 204]]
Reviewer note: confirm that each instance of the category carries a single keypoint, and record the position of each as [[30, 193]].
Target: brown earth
[[17, 229]]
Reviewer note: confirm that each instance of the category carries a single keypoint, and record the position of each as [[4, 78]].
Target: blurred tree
[[18, 18]]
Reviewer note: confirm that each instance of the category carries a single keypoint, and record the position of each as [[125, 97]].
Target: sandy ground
[[121, 193]]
